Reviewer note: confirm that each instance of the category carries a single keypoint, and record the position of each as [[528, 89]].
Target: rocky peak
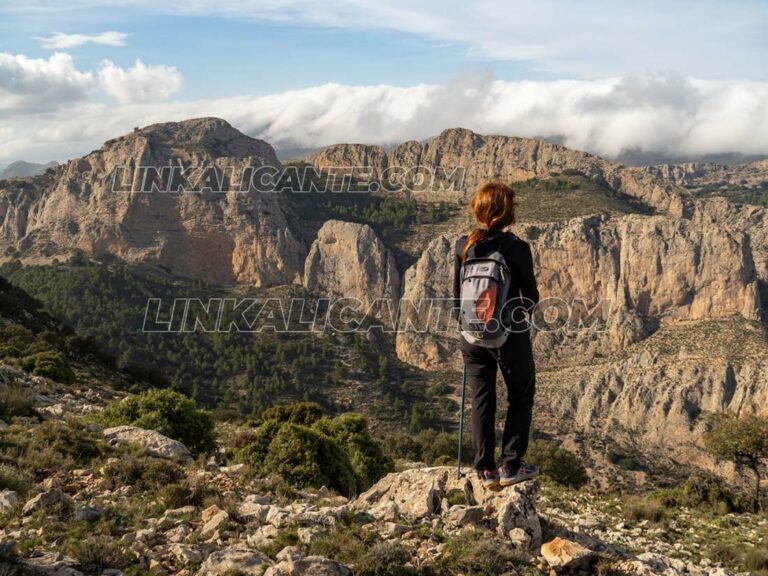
[[195, 139]]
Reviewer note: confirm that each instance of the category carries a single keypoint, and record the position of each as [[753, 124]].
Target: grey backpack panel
[[485, 283]]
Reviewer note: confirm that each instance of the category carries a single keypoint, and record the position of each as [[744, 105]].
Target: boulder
[[8, 500], [213, 517], [236, 560], [565, 554], [45, 500], [155, 443], [308, 566]]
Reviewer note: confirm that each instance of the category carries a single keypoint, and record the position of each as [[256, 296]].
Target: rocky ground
[[117, 514]]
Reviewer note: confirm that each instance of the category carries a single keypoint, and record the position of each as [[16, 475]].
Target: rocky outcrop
[[152, 441], [427, 301], [235, 560], [701, 174], [368, 161], [224, 235], [661, 390], [308, 566], [641, 270], [422, 493], [347, 260]]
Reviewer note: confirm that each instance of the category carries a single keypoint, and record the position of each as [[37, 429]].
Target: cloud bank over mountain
[[654, 113]]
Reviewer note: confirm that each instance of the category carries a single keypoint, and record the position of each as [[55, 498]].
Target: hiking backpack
[[485, 283]]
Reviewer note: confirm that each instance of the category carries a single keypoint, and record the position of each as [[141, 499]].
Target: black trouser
[[515, 358]]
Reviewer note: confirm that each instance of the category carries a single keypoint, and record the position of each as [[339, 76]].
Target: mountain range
[[676, 250]]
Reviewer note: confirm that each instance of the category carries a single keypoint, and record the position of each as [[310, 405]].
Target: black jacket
[[517, 254]]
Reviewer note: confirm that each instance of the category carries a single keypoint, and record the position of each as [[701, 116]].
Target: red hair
[[494, 209]]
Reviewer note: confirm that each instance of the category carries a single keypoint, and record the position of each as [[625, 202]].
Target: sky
[[676, 78]]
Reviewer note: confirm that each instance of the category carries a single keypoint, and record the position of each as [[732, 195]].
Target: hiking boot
[[523, 473], [490, 479]]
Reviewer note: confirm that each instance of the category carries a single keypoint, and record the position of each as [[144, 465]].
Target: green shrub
[[475, 552], [166, 411], [144, 474], [336, 452], [50, 364], [96, 553], [385, 559], [307, 457], [429, 446], [637, 510], [556, 463], [12, 478], [60, 443], [350, 431], [16, 400], [305, 413]]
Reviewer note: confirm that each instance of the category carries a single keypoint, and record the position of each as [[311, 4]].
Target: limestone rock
[[155, 443], [418, 495], [213, 517], [308, 566], [561, 553], [45, 500], [234, 560], [348, 260], [8, 499]]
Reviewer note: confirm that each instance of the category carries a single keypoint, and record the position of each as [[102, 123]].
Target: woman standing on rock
[[496, 292]]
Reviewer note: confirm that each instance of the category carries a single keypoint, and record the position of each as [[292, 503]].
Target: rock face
[[427, 291], [659, 392], [225, 237], [644, 268], [370, 160], [347, 260], [155, 443], [420, 493], [699, 174]]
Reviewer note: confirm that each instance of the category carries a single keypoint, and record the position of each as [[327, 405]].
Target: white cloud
[[39, 84], [61, 41], [665, 114], [589, 38], [141, 83]]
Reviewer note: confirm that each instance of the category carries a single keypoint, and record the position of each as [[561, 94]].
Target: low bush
[[12, 478], [385, 558], [350, 431], [97, 553], [16, 400], [475, 552], [305, 457], [169, 412], [557, 463], [54, 444], [308, 449], [639, 509], [49, 364], [144, 474], [429, 446]]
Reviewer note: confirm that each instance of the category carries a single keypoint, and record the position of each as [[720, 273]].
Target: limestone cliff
[[225, 237], [348, 260], [648, 269]]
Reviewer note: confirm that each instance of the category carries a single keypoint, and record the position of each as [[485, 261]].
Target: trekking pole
[[461, 419]]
